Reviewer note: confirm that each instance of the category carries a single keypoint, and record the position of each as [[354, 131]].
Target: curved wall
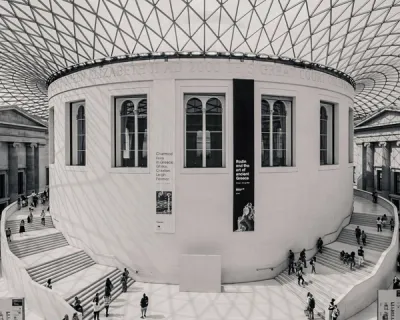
[[112, 210]]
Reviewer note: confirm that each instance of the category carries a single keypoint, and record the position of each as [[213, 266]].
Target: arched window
[[326, 134], [81, 136], [323, 147], [204, 132], [131, 143], [276, 136]]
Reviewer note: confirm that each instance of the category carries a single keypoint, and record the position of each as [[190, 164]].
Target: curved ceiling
[[40, 37]]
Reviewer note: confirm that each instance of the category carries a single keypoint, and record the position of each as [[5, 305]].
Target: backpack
[[312, 303], [336, 313]]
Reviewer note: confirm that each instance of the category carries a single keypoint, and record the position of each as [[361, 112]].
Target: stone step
[[40, 267], [35, 225]]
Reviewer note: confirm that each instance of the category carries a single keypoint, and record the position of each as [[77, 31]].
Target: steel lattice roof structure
[[40, 37]]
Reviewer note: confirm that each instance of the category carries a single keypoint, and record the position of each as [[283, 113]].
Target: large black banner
[[243, 155]]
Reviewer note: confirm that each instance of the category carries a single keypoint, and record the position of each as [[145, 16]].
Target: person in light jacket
[[107, 301], [96, 307]]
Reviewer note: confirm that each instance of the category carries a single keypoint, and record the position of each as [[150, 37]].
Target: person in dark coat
[[144, 302], [108, 288], [320, 243], [22, 227]]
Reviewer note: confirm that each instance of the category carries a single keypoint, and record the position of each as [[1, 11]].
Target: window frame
[[142, 88], [47, 173], [116, 141], [23, 183], [209, 87], [379, 177], [71, 135], [284, 99], [5, 173], [51, 135], [396, 184], [351, 135], [204, 98], [330, 134]]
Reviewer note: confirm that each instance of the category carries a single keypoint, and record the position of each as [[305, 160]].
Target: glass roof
[[40, 37]]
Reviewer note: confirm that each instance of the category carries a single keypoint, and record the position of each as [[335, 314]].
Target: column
[[385, 169], [13, 171], [368, 166], [30, 167], [36, 162]]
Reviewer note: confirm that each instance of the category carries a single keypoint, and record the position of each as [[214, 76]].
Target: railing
[[41, 300], [363, 293]]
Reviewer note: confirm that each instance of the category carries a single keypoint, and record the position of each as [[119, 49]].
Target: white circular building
[[155, 158]]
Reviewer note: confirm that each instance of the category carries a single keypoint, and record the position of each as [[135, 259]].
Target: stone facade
[[377, 154], [23, 154]]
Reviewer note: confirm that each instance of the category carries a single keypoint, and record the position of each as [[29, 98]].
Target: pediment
[[18, 117], [382, 118]]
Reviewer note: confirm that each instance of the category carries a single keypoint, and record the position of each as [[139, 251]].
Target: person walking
[[320, 243], [331, 307], [108, 288], [360, 257], [391, 224], [375, 197], [303, 257], [126, 273], [107, 301], [19, 203], [352, 260], [364, 238], [311, 307], [144, 302], [96, 307], [335, 313], [124, 281], [358, 234], [43, 216], [48, 284], [8, 234], [300, 276], [313, 262], [21, 227], [291, 262], [379, 224]]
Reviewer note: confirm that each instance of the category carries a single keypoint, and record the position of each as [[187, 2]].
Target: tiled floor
[[366, 206]]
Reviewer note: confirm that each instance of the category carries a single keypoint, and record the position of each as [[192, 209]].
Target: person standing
[[375, 197], [43, 216], [311, 307], [19, 203], [320, 243], [391, 224], [358, 234], [21, 227], [126, 273], [379, 224], [335, 313], [124, 281], [107, 301], [300, 276], [352, 260], [96, 307], [108, 288], [144, 302], [303, 257], [48, 284], [331, 308], [360, 256], [364, 238], [313, 262], [8, 234], [291, 262]]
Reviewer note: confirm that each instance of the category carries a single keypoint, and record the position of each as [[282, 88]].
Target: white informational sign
[[164, 193], [12, 309], [388, 305]]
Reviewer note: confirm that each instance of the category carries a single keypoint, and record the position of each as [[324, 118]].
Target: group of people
[[361, 235], [297, 267], [30, 220], [350, 258], [35, 199], [310, 306], [382, 222]]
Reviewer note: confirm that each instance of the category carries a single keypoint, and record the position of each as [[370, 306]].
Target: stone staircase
[[60, 268], [87, 294], [33, 245], [366, 220], [325, 287], [374, 242], [34, 226]]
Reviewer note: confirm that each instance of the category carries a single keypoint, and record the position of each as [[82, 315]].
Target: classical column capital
[[397, 143], [33, 145], [367, 144], [16, 144], [383, 144]]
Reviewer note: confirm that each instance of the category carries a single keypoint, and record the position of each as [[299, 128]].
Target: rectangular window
[[47, 177], [76, 128], [397, 182], [2, 186], [379, 180], [204, 131], [276, 131], [130, 131], [327, 134], [51, 135], [351, 135], [21, 182]]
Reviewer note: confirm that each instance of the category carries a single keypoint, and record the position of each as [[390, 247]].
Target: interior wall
[[113, 211]]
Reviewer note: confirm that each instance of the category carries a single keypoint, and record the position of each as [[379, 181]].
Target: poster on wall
[[165, 184], [388, 305], [12, 309], [243, 155]]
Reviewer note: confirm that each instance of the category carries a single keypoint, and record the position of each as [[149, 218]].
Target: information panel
[[243, 155], [164, 195], [12, 309], [388, 305]]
